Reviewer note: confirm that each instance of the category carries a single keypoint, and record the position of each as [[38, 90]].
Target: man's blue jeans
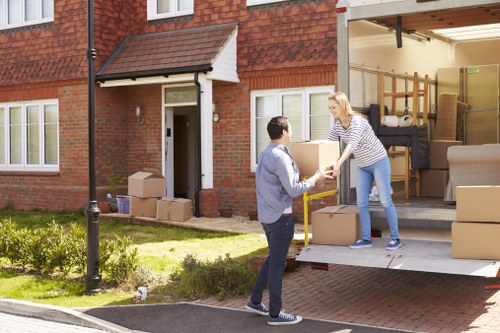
[[279, 237], [381, 172]]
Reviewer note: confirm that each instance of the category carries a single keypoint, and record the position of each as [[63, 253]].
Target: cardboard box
[[475, 240], [174, 209], [143, 207], [312, 155], [438, 153], [478, 203], [336, 225], [146, 184], [433, 183]]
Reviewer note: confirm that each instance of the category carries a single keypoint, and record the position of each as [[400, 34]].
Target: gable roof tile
[[163, 53]]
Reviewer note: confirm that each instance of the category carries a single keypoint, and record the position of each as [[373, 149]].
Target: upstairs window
[[19, 13], [29, 138], [159, 9], [262, 2]]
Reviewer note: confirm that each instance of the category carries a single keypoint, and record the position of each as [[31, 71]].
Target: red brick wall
[[289, 44]]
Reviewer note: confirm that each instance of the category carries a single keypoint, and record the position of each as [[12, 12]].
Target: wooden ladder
[[415, 93]]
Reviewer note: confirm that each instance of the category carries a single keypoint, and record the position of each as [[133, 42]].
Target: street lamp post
[[92, 212]]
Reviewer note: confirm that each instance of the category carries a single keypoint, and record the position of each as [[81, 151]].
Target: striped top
[[359, 136]]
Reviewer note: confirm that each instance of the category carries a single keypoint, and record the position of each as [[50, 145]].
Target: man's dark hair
[[276, 126]]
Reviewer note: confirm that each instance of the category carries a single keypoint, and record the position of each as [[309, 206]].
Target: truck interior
[[382, 46]]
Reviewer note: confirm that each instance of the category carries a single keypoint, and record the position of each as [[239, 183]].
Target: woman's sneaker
[[284, 319], [361, 243], [257, 308], [394, 244]]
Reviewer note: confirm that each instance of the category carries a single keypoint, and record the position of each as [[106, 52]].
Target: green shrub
[[57, 249], [222, 277], [118, 259]]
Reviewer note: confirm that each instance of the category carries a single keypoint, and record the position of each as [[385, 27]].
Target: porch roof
[[169, 53]]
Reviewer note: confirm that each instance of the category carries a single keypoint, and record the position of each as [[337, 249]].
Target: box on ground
[[336, 225], [312, 155], [478, 203], [174, 209], [433, 183], [475, 240], [123, 203], [438, 153], [145, 207], [146, 184]]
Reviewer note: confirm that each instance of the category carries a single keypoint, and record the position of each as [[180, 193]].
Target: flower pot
[[291, 264], [252, 215], [104, 206], [225, 212]]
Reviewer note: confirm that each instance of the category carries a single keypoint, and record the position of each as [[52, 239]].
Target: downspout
[[198, 179]]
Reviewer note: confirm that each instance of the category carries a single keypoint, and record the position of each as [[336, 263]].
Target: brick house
[[185, 87]]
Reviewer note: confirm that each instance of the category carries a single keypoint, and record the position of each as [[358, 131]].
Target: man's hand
[[323, 173]]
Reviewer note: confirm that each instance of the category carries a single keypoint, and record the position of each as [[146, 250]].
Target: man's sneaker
[[257, 308], [394, 244], [284, 319], [361, 243]]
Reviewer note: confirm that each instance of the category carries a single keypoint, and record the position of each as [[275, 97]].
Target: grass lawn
[[160, 249]]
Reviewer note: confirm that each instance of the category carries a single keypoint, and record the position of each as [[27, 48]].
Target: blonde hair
[[343, 102]]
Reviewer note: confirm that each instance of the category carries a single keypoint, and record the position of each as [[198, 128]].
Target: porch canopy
[[153, 57]]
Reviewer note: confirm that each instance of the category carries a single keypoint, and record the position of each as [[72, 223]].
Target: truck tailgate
[[414, 255]]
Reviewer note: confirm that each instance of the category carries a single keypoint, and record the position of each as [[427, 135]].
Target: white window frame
[[306, 93], [24, 166], [4, 11], [153, 10], [262, 2]]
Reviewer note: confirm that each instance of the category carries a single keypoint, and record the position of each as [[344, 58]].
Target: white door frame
[[206, 135]]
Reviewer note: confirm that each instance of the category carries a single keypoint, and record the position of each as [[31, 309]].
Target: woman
[[372, 164]]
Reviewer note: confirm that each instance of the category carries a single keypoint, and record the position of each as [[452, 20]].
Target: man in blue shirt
[[278, 182]]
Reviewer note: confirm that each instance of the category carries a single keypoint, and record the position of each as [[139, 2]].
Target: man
[[277, 181]]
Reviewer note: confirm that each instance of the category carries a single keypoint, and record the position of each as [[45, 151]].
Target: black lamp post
[[92, 212]]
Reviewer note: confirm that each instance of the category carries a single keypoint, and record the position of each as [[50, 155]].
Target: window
[[306, 109], [158, 9], [18, 13], [261, 2], [29, 136]]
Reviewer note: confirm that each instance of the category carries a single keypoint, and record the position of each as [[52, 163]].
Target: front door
[[180, 154]]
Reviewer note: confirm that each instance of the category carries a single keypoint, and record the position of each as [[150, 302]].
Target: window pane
[[261, 136], [47, 9], [180, 95], [15, 116], [15, 11], [163, 6], [320, 116], [183, 5], [33, 135], [2, 135], [30, 9], [292, 109], [266, 107], [50, 134], [2, 15]]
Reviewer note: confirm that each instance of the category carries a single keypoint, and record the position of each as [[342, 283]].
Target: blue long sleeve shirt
[[277, 180]]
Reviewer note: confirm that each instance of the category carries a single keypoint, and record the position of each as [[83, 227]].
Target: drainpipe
[[198, 128]]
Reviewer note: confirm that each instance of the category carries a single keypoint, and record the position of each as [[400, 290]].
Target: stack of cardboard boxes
[[433, 181], [476, 232], [146, 190]]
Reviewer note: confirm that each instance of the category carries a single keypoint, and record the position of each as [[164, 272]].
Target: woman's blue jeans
[[380, 172], [279, 237]]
